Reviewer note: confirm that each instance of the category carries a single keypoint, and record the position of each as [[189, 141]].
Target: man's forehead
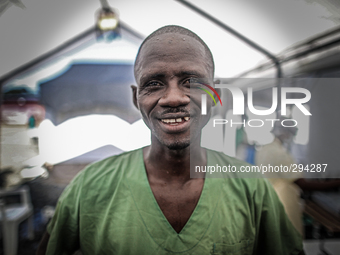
[[170, 36], [169, 45], [161, 44]]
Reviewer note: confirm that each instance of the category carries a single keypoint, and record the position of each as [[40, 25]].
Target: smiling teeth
[[178, 120]]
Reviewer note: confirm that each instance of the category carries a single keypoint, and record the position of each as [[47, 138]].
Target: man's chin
[[174, 144], [178, 146]]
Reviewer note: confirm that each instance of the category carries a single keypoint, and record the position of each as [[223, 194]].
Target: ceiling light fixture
[[107, 19], [107, 22]]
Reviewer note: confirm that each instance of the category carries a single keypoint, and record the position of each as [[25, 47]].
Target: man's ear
[[134, 95]]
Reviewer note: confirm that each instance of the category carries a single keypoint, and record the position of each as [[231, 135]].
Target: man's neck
[[170, 165]]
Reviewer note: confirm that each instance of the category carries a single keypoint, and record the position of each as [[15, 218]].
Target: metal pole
[[104, 4], [244, 39], [237, 34]]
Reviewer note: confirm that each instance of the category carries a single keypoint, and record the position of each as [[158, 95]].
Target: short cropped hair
[[177, 30]]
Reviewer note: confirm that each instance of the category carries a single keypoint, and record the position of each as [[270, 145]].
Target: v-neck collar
[[155, 221]]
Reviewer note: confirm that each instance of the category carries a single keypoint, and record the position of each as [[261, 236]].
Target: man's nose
[[174, 96]]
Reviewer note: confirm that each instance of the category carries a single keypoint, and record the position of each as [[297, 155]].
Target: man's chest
[[135, 214], [177, 203]]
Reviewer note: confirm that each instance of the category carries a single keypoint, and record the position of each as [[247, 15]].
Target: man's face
[[169, 108]]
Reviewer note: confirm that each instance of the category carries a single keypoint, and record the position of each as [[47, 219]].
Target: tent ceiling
[[273, 24]]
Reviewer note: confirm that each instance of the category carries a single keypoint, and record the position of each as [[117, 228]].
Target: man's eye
[[187, 83], [153, 84], [193, 82]]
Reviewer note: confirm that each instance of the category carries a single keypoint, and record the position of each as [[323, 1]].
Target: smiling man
[[144, 201]]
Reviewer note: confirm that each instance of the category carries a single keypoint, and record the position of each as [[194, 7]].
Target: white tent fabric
[[27, 33]]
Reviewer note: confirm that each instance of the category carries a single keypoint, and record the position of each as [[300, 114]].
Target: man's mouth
[[175, 121]]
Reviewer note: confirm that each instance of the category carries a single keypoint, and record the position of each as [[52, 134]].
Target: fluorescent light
[[107, 24], [107, 19]]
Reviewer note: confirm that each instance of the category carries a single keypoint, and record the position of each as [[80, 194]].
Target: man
[[144, 201]]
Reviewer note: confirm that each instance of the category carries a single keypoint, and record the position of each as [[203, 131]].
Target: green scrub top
[[109, 208]]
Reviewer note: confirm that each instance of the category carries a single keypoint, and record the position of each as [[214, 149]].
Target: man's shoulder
[[115, 165], [240, 174], [232, 167], [220, 156], [117, 159]]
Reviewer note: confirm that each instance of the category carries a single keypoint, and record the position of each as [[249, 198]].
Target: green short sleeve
[[64, 226], [276, 234]]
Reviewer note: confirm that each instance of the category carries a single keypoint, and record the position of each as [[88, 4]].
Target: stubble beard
[[174, 143], [178, 145]]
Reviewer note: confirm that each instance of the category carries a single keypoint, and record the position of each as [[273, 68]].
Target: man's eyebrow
[[147, 77], [156, 76], [189, 73]]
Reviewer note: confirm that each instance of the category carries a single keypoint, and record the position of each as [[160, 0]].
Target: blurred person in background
[[288, 186], [277, 154]]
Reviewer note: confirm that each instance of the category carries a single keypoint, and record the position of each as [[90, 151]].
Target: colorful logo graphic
[[204, 98], [239, 99], [210, 93]]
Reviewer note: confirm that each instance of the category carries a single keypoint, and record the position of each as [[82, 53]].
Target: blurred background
[[65, 73]]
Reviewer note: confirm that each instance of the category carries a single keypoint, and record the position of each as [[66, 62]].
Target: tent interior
[[67, 99]]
